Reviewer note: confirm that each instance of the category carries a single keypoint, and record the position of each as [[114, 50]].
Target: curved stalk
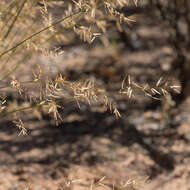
[[35, 34]]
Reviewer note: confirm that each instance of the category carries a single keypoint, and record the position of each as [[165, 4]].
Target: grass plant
[[31, 27]]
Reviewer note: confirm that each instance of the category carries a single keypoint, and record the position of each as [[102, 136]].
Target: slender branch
[[3, 114], [15, 19], [35, 34]]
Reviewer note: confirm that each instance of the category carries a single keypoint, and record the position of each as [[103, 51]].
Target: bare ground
[[90, 143]]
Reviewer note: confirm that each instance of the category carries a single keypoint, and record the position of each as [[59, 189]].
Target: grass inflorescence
[[33, 27]]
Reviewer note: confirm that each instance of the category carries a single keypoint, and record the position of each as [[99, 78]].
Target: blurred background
[[151, 139]]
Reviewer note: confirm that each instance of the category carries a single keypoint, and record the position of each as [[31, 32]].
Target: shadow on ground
[[72, 142]]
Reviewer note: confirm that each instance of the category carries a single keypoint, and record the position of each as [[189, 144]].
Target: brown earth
[[141, 148]]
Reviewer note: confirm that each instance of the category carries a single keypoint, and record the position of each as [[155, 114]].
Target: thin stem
[[3, 114], [15, 19], [7, 14], [35, 34]]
